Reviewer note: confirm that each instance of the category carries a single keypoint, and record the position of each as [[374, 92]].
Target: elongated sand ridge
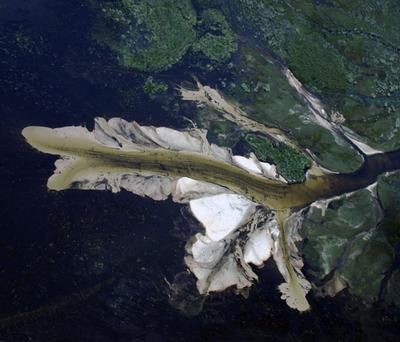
[[90, 154]]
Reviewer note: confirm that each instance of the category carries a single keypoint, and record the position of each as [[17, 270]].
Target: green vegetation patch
[[153, 87], [147, 35], [346, 237], [317, 63], [223, 133], [388, 189], [217, 40], [264, 93], [368, 260], [290, 163], [329, 232], [346, 51]]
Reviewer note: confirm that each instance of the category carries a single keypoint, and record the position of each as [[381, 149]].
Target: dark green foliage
[[370, 256], [346, 51], [264, 93], [290, 163], [217, 40], [389, 196], [316, 63], [148, 35], [152, 87], [345, 237], [223, 133]]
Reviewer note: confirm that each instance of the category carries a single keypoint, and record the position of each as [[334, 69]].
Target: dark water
[[91, 266]]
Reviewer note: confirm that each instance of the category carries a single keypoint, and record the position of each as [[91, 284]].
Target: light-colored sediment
[[231, 111], [224, 192], [258, 247], [364, 148], [333, 121], [222, 195], [222, 214], [206, 95], [86, 157]]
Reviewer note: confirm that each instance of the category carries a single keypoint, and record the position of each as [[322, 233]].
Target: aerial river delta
[[206, 170]]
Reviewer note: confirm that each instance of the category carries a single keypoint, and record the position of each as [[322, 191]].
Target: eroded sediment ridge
[[225, 193], [276, 195]]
